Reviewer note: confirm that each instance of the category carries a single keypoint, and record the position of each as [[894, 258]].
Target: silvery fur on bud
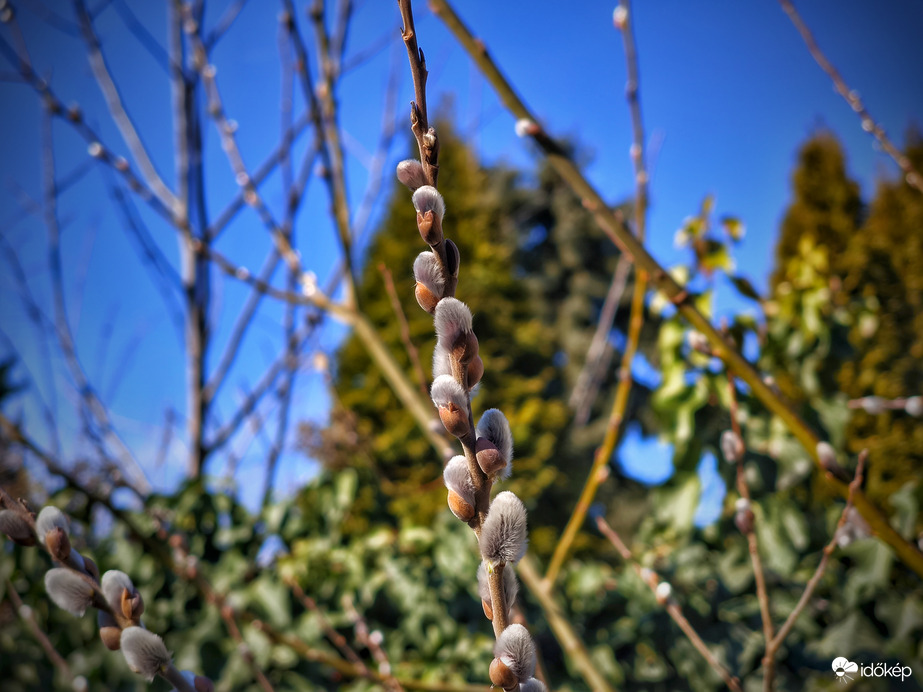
[[427, 198], [445, 391], [442, 362], [17, 528], [457, 478], [515, 648], [503, 533], [426, 271], [410, 173], [51, 518], [494, 426], [732, 447], [145, 652], [532, 685], [510, 585], [854, 529], [68, 590], [112, 585], [452, 318], [914, 406]]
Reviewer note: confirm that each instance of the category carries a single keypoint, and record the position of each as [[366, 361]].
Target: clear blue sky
[[728, 93]]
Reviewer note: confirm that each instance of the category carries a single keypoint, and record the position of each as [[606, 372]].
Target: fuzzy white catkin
[[732, 447], [112, 584], [68, 590], [515, 648], [427, 198], [410, 173], [14, 525], [457, 478], [494, 426], [503, 534], [51, 518], [452, 317], [446, 390], [532, 685], [442, 361], [426, 272], [510, 585], [144, 651]]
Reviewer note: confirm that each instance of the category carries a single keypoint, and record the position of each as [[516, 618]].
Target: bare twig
[[114, 102], [911, 174], [91, 400], [786, 628], [661, 280], [372, 641], [412, 352], [759, 575], [636, 319], [28, 616], [673, 608]]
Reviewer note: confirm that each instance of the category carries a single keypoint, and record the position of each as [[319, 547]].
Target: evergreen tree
[[526, 250], [884, 276]]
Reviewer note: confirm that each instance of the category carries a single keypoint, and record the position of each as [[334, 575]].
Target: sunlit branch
[[911, 174], [636, 318], [667, 285], [653, 580], [119, 115]]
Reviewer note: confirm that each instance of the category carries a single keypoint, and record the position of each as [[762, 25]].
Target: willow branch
[[412, 352], [911, 174], [668, 286], [673, 609], [636, 319], [811, 586]]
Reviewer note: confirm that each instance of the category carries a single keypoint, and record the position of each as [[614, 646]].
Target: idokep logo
[[845, 670]]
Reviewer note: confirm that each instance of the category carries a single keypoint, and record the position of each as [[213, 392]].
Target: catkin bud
[[873, 405], [826, 454], [732, 447], [452, 402], [532, 685], [663, 592], [430, 283], [503, 533], [453, 323], [510, 589], [914, 406], [51, 518], [475, 372], [145, 652], [461, 488], [17, 528], [494, 445], [109, 631], [516, 650], [743, 515], [68, 590], [427, 198], [410, 173]]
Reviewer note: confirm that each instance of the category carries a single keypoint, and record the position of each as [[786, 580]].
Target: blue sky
[[728, 93]]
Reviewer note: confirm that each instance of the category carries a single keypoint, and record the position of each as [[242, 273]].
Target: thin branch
[[609, 222], [336, 178], [412, 352], [636, 319], [225, 22], [911, 174], [372, 641], [810, 587], [119, 115], [673, 608], [28, 616], [97, 410], [759, 575], [599, 353]]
